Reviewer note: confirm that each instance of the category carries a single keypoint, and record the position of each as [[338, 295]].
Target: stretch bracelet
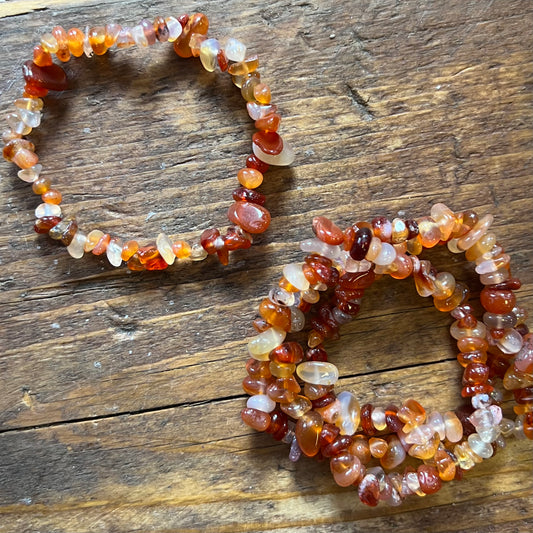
[[291, 387], [189, 37]]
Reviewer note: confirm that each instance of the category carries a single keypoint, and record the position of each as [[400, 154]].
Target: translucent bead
[[511, 342], [261, 402], [480, 447], [426, 450], [262, 94], [261, 345], [139, 37], [379, 418], [490, 265], [197, 252], [524, 358], [386, 255], [445, 465], [111, 34], [241, 68], [500, 321], [294, 274], [164, 247], [454, 428], [429, 479], [378, 447], [436, 422], [308, 428], [47, 210], [485, 244], [514, 379], [257, 111], [76, 246], [129, 249], [284, 158], [492, 278], [297, 319], [330, 411], [373, 249], [445, 219], [209, 50], [235, 50], [250, 217], [125, 39], [49, 43], [32, 119], [96, 37], [114, 252], [316, 246], [87, 48], [75, 39], [318, 372], [420, 434], [281, 297], [395, 454], [93, 238], [412, 414], [181, 249], [429, 233], [174, 28], [444, 285], [15, 122], [346, 469], [258, 420], [297, 408], [250, 178], [466, 457], [29, 175], [349, 413], [457, 332], [475, 233]]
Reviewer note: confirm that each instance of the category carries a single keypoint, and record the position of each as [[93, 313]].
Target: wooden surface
[[120, 392]]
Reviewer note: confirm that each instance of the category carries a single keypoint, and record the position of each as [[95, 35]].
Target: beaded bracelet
[[365, 443], [189, 37]]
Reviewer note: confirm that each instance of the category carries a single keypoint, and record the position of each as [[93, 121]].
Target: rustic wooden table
[[121, 392]]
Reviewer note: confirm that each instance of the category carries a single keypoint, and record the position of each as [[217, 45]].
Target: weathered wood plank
[[121, 392]]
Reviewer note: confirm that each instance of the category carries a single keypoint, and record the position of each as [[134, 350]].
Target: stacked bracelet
[[189, 36], [291, 387]]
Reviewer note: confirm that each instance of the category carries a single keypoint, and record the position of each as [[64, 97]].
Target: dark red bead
[[361, 244], [249, 195], [323, 401], [45, 224], [253, 162], [340, 444], [52, 77], [316, 354]]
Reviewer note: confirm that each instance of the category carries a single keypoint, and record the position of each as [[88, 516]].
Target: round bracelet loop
[[291, 386], [188, 34]]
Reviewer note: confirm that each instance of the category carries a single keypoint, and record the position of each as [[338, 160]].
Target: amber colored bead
[[445, 465], [360, 448], [361, 244], [251, 217], [497, 301], [253, 162], [250, 178], [349, 237], [63, 53], [262, 93], [366, 420], [275, 314], [524, 395], [243, 194], [287, 352], [401, 267], [157, 263], [316, 354], [208, 240], [368, 490], [268, 141], [45, 224], [429, 479], [128, 249], [257, 369], [52, 77], [328, 434], [319, 269], [459, 296], [33, 91], [149, 31], [327, 231], [101, 246], [147, 253], [279, 425], [20, 152], [475, 373], [161, 29], [269, 122], [357, 280], [52, 196], [283, 390], [255, 385], [469, 344], [236, 239], [222, 61], [134, 263], [512, 284], [41, 185], [97, 40], [196, 23], [307, 431], [40, 57], [378, 447], [181, 249], [65, 231], [244, 67], [340, 444], [412, 414], [472, 390], [75, 38], [258, 420], [382, 228], [476, 356], [316, 391], [394, 424], [324, 401]]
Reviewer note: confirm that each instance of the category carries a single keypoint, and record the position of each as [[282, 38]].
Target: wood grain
[[120, 392]]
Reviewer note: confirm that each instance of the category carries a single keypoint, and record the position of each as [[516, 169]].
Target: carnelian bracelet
[[189, 36], [291, 387]]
